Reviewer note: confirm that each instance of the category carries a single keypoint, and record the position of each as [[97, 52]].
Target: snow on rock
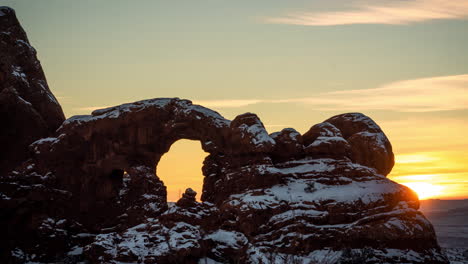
[[45, 144], [4, 197], [288, 144], [279, 198], [457, 255], [327, 140], [351, 255], [265, 255], [324, 130], [76, 251], [352, 123], [4, 10], [228, 239], [202, 113], [24, 101], [303, 190], [176, 237], [250, 135], [21, 93], [116, 111], [260, 136], [22, 42], [369, 145], [48, 140], [18, 72], [177, 106]]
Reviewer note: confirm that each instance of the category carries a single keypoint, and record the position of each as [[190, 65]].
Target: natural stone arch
[[129, 138]]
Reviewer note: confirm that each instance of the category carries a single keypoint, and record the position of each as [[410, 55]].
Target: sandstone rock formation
[[89, 191], [28, 109], [321, 196]]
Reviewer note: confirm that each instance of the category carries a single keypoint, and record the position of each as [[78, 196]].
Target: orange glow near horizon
[[181, 168], [439, 175], [431, 174], [430, 155], [425, 190]]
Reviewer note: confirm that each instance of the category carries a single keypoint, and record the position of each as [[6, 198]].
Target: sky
[[293, 63]]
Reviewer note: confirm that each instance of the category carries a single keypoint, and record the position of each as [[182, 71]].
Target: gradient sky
[[294, 63]]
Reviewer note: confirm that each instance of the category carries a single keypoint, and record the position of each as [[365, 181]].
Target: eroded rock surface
[[89, 192], [28, 109], [321, 196]]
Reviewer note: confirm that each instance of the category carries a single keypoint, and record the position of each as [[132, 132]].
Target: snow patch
[[75, 251], [183, 106], [50, 96], [3, 9], [51, 140], [17, 71], [361, 118], [24, 101], [379, 138], [260, 136], [299, 191], [24, 43], [228, 239], [4, 197], [327, 140]]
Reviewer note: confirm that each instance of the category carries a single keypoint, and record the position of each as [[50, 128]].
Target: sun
[[425, 190]]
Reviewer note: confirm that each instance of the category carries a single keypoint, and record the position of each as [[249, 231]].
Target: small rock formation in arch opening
[[89, 192], [187, 199]]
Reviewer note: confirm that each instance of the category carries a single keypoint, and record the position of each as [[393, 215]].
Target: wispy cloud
[[89, 108], [380, 12], [227, 103], [418, 95]]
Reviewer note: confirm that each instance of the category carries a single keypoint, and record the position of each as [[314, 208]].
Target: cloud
[[89, 108], [418, 95], [227, 103], [382, 12]]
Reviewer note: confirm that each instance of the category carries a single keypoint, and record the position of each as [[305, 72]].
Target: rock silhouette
[[88, 191], [28, 109]]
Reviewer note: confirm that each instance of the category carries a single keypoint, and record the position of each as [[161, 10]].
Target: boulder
[[288, 144], [188, 198], [248, 135], [369, 144]]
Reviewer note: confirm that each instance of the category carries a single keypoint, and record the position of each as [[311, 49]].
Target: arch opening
[[181, 168]]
